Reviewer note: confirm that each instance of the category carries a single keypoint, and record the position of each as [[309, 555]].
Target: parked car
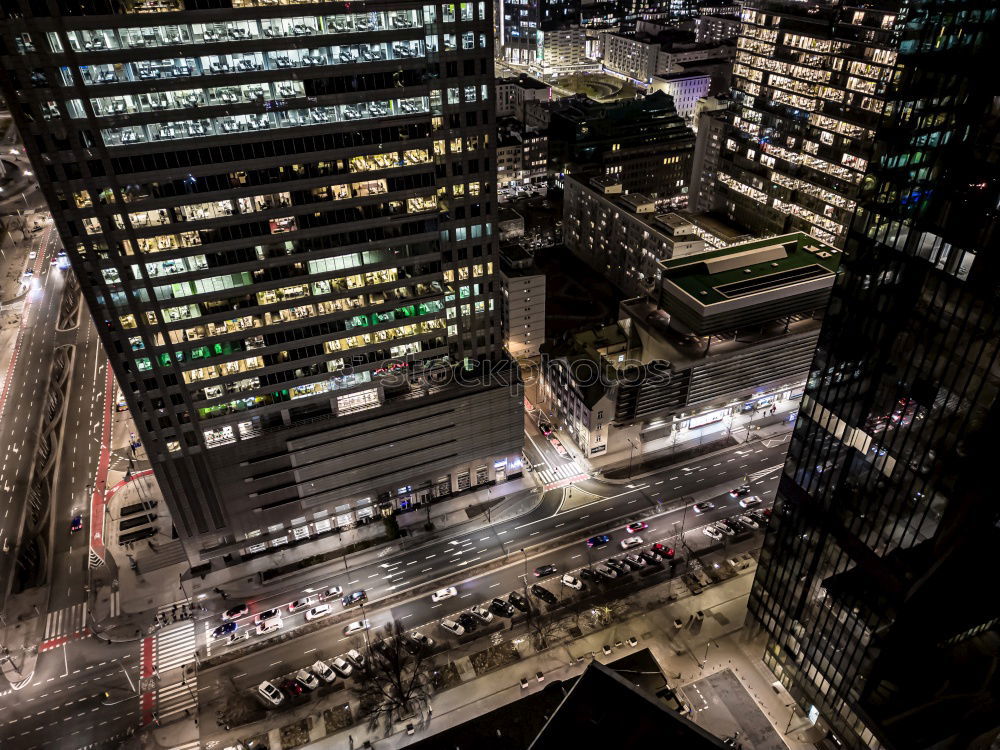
[[741, 491], [441, 594], [452, 627], [572, 582], [598, 541], [759, 516], [356, 658], [606, 571], [649, 557], [342, 667], [632, 541], [236, 612], [334, 592], [307, 679], [667, 553], [322, 670], [518, 601], [468, 622], [292, 687], [710, 531], [356, 627], [733, 525], [543, 593], [320, 610], [636, 526], [589, 575], [703, 507], [267, 614], [355, 597], [419, 642], [482, 613], [725, 528], [238, 637], [746, 520], [224, 630], [269, 626], [303, 603], [618, 566], [750, 502], [546, 428], [270, 693], [545, 570], [635, 561], [501, 607]]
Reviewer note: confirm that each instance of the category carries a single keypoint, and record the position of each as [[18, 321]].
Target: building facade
[[710, 130], [514, 93], [282, 220], [523, 287], [867, 591], [521, 20], [685, 88], [522, 160], [564, 51], [716, 29]]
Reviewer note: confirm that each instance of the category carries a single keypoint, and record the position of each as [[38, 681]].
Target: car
[[630, 542], [322, 670], [75, 524], [307, 679], [606, 571], [224, 630], [545, 570], [270, 693], [468, 622], [502, 607], [416, 642], [355, 597], [598, 541], [452, 627], [342, 667], [237, 638], [303, 603], [750, 502], [702, 507], [334, 592], [746, 520], [267, 614], [54, 261], [734, 525], [517, 600], [543, 593], [572, 582], [759, 516], [356, 627], [636, 526], [741, 491], [292, 687], [725, 528], [635, 561], [32, 255], [588, 575], [482, 613], [320, 610], [236, 612], [667, 553], [356, 658], [649, 557], [441, 594], [546, 428], [710, 531], [269, 626], [618, 566]]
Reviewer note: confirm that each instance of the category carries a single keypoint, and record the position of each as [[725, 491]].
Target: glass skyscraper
[[877, 581], [282, 218]]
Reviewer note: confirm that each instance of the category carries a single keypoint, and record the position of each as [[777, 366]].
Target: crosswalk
[[176, 698], [65, 621], [563, 471], [175, 646], [192, 745]]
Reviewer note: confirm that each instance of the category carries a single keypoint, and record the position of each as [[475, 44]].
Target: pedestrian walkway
[[560, 475], [175, 646], [176, 698], [65, 621]]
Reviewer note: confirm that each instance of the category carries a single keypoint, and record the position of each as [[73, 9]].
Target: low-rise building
[[710, 125], [522, 159], [523, 291], [731, 330], [639, 56], [623, 236], [513, 93], [686, 88]]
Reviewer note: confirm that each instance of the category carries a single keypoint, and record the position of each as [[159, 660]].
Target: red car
[[292, 687], [663, 551], [636, 526]]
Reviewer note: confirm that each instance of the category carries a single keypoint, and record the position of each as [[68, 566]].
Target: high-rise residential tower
[[282, 217], [876, 587]]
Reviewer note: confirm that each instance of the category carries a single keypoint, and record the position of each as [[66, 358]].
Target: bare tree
[[395, 683], [602, 615]]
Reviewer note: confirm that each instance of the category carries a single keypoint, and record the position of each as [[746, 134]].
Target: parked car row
[[750, 521], [307, 679]]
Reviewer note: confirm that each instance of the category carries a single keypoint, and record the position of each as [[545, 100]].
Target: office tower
[[876, 587], [810, 85], [282, 219], [521, 20], [710, 127]]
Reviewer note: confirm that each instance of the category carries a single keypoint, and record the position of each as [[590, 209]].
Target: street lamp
[[631, 451]]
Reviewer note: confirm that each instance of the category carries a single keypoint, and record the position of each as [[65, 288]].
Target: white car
[[303, 603], [267, 614], [269, 692], [32, 255], [269, 626], [442, 594], [482, 613], [605, 571], [238, 638], [724, 528], [356, 627], [748, 521], [306, 679], [322, 670], [356, 658], [320, 610], [343, 668], [711, 531], [334, 592], [573, 583], [632, 541], [452, 627], [750, 502]]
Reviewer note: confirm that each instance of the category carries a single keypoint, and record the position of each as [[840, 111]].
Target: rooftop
[[525, 81]]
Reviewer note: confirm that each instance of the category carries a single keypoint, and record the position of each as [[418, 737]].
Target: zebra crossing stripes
[[65, 621], [175, 646], [175, 698], [563, 471]]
